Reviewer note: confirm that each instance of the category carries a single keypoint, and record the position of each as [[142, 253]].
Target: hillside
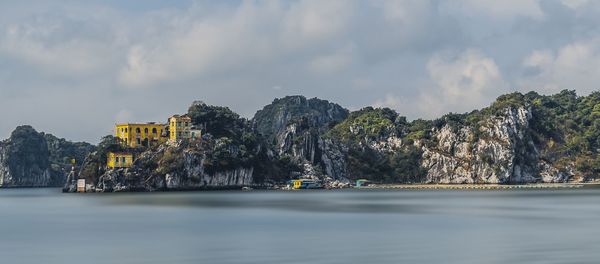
[[519, 138], [32, 159]]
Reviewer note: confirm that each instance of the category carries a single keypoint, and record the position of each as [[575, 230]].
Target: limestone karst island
[[296, 142], [300, 131]]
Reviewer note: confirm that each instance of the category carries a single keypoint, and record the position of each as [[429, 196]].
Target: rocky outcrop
[[173, 166], [32, 159], [295, 125], [501, 150], [274, 118], [24, 160]]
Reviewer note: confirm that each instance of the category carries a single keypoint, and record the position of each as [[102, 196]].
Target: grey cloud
[[75, 69]]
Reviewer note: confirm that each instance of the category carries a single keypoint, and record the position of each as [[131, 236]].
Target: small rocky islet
[[518, 139]]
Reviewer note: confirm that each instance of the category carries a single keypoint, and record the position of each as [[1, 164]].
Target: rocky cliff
[[500, 150], [32, 159], [518, 139], [294, 126]]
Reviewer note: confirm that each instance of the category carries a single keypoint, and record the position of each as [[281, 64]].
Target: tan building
[[180, 127]]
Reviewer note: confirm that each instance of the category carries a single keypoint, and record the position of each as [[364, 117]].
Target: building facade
[[119, 160], [180, 127], [140, 135]]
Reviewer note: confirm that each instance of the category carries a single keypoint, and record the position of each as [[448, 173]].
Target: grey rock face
[[295, 125], [185, 171], [501, 152], [32, 159], [316, 113], [24, 160]]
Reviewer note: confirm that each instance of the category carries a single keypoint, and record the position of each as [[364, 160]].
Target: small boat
[[305, 184]]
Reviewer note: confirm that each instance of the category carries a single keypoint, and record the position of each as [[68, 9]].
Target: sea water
[[46, 226]]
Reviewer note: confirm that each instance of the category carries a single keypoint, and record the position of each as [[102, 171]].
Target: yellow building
[[180, 127], [119, 160], [140, 135]]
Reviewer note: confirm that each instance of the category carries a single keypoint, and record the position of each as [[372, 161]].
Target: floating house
[[305, 184], [362, 182]]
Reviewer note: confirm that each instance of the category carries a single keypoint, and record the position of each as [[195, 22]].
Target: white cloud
[[573, 66], [36, 44], [505, 9], [461, 83], [316, 20], [254, 34], [391, 101], [575, 4], [335, 62]]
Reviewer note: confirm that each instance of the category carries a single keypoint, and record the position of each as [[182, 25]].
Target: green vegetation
[[31, 153], [217, 120], [94, 165], [374, 124], [315, 113], [62, 152], [230, 141], [27, 149], [366, 124], [569, 127]]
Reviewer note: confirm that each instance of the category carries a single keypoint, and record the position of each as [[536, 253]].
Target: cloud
[[124, 116], [255, 33], [391, 101], [575, 4], [83, 63], [576, 65], [51, 44], [334, 62], [461, 82], [506, 9]]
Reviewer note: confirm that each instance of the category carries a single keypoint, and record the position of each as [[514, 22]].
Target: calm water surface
[[409, 226]]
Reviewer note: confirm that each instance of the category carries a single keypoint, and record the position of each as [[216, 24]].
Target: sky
[[74, 68]]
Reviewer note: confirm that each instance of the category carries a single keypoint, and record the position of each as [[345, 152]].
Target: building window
[[138, 130], [178, 134], [154, 130], [116, 159], [123, 160], [125, 130], [139, 141], [146, 130]]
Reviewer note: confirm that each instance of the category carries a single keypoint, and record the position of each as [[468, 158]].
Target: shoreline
[[415, 186], [470, 186]]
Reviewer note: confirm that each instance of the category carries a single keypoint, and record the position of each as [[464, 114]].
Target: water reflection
[[347, 226]]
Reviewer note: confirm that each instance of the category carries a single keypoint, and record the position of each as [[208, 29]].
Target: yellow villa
[[119, 160], [180, 127], [140, 135]]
